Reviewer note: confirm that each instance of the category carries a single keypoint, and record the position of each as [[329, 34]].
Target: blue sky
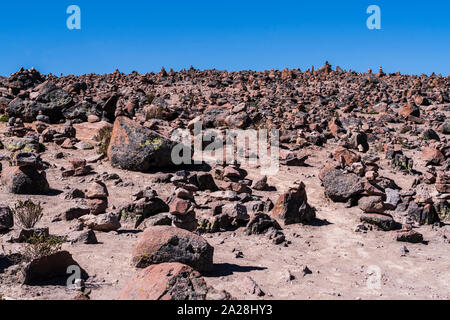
[[226, 35]]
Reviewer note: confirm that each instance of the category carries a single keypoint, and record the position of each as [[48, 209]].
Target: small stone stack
[[64, 137], [182, 210], [78, 167], [97, 196], [443, 182], [232, 178], [16, 128], [146, 204]]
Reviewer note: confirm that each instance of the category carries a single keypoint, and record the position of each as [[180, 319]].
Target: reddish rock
[[181, 206], [292, 206], [349, 156], [161, 244], [67, 144], [433, 155], [93, 118], [169, 281], [409, 109]]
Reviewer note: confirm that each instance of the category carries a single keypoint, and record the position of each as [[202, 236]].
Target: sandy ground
[[343, 262]]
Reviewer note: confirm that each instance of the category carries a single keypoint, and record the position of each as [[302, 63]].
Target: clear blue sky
[[226, 35]]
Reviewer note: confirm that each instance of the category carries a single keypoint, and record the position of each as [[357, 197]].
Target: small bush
[[405, 129], [150, 97], [4, 118], [104, 138], [27, 213], [41, 246], [155, 112]]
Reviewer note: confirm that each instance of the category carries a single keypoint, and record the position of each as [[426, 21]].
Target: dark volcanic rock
[[260, 223], [6, 218], [372, 204], [51, 102], [134, 147], [84, 237], [25, 180], [383, 222], [48, 268], [24, 79], [341, 187], [411, 236]]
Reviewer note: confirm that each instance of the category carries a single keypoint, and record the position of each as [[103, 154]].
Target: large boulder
[[169, 281], [160, 244], [340, 186], [47, 268], [292, 206], [25, 180], [134, 147]]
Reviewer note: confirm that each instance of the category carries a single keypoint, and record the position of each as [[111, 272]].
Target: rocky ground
[[358, 209]]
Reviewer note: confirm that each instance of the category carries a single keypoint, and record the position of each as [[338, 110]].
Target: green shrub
[[155, 112], [150, 97], [4, 118], [27, 213], [41, 246]]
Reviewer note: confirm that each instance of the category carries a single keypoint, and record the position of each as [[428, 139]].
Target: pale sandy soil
[[340, 259]]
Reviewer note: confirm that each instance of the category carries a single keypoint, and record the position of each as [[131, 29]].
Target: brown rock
[[97, 206], [97, 190], [409, 109], [371, 204]]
